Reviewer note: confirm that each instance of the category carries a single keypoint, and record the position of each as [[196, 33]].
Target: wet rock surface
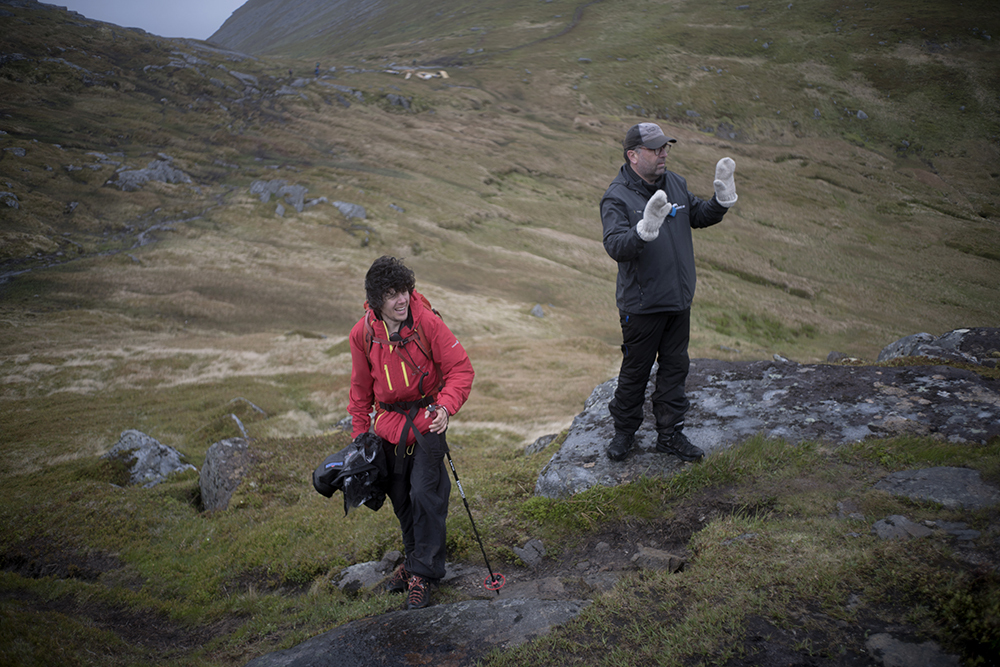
[[453, 634]]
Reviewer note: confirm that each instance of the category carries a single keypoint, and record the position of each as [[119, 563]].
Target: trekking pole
[[496, 581]]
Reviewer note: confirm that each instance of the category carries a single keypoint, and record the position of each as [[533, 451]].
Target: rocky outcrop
[[149, 461], [161, 170], [732, 401], [979, 346]]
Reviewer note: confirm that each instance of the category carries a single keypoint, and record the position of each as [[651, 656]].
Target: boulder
[[151, 462], [226, 464], [733, 401], [979, 346]]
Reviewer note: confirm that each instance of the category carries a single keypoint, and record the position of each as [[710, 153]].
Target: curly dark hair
[[386, 275]]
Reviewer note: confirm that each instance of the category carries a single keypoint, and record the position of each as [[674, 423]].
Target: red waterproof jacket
[[385, 373]]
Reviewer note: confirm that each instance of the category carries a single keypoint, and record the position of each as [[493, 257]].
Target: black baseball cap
[[646, 134]]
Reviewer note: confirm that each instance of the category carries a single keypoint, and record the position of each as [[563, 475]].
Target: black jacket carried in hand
[[656, 276], [359, 471]]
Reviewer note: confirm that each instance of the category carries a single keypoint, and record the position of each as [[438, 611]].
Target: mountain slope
[[275, 26]]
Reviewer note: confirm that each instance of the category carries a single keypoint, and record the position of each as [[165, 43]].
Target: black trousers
[[419, 495], [644, 339]]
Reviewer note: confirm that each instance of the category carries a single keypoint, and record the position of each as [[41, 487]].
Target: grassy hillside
[[153, 308]]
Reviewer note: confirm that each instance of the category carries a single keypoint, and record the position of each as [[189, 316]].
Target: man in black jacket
[[647, 214]]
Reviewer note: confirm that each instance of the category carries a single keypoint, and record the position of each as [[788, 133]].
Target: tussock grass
[[791, 560]]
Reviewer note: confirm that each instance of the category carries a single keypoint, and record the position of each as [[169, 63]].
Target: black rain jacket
[[658, 276]]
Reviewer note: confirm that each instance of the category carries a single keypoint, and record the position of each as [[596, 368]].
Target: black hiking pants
[[419, 490], [646, 339]]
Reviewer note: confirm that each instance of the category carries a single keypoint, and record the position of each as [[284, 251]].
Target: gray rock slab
[[955, 488], [733, 401], [450, 634]]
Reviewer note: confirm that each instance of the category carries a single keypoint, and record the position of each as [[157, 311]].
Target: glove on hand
[[652, 217], [725, 188]]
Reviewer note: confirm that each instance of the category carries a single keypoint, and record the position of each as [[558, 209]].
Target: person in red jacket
[[409, 368]]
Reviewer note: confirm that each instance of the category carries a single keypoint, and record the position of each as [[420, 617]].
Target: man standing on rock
[[647, 214], [409, 367]]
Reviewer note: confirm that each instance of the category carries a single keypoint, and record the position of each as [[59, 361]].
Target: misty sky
[[167, 18]]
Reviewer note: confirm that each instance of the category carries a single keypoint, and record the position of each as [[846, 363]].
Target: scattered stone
[[226, 464], [891, 652], [532, 553], [151, 461], [265, 189], [279, 210], [367, 576], [654, 559], [862, 115], [351, 210], [162, 171], [537, 311], [19, 152], [898, 527], [954, 488], [10, 199]]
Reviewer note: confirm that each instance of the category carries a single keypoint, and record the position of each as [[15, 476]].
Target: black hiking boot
[[419, 595], [620, 446], [676, 443], [397, 583]]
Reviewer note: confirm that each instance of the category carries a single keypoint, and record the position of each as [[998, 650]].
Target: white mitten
[[653, 215], [725, 188]]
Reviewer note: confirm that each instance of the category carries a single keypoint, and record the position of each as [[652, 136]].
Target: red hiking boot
[[419, 595]]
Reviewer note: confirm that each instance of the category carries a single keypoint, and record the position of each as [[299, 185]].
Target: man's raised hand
[[652, 217]]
